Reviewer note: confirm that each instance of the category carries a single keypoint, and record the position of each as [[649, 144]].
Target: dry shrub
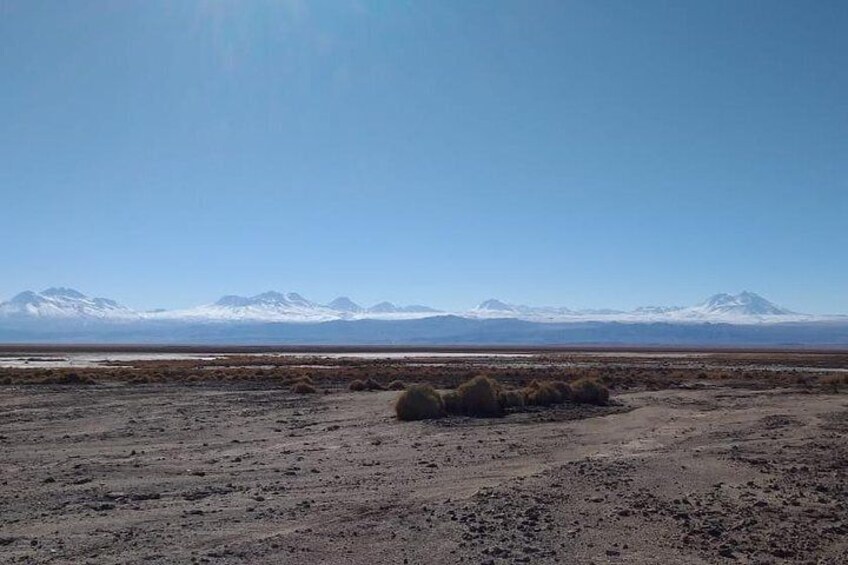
[[479, 397], [419, 402], [452, 402], [68, 379], [304, 379], [511, 399], [542, 394], [371, 384], [588, 391], [563, 389], [302, 387], [397, 385], [832, 382]]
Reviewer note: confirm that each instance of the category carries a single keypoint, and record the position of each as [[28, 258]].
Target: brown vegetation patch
[[419, 402], [587, 391]]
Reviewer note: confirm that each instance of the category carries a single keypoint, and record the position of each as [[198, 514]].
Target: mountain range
[[62, 315], [69, 304]]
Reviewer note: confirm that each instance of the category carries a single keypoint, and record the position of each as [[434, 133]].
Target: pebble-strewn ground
[[225, 473]]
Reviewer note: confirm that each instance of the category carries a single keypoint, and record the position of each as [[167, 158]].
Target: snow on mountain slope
[[291, 307], [269, 306], [68, 304], [64, 303], [743, 308], [345, 304], [745, 303], [493, 305], [494, 308]]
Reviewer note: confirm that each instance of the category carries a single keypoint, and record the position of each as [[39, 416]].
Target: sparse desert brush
[[140, 380], [564, 390], [542, 394], [452, 402], [303, 387], [419, 402], [588, 391], [832, 382], [75, 379], [371, 384], [511, 399], [479, 397], [303, 379], [397, 385]]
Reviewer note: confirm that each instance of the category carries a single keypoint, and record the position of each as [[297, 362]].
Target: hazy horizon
[[579, 154]]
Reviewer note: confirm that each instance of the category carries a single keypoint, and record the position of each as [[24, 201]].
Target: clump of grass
[[419, 402], [832, 382], [563, 389], [303, 387], [511, 399], [479, 397], [589, 391], [371, 384], [452, 402], [539, 393], [397, 385], [72, 378], [368, 384]]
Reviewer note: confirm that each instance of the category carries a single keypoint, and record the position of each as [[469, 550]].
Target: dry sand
[[222, 473]]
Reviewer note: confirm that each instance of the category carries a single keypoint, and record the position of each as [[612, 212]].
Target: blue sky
[[585, 154]]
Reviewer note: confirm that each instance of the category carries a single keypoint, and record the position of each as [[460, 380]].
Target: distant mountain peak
[[345, 304], [62, 292], [270, 297], [745, 303], [384, 308], [495, 305], [389, 308], [64, 303]]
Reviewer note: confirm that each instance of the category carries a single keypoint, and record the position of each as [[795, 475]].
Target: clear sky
[[578, 153]]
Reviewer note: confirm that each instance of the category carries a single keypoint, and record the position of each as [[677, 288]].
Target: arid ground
[[702, 457]]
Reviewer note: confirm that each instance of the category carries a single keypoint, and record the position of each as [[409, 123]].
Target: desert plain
[[205, 456]]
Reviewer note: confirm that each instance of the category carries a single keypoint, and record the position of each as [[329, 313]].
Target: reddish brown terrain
[[702, 457]]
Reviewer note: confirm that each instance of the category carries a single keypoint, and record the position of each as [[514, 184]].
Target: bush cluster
[[303, 386], [587, 391], [483, 397], [368, 384], [419, 402], [479, 398]]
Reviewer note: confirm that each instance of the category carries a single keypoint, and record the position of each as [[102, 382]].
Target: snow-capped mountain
[[269, 306], [494, 308], [68, 304], [291, 307], [345, 304], [64, 303], [743, 304], [495, 305], [743, 308]]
